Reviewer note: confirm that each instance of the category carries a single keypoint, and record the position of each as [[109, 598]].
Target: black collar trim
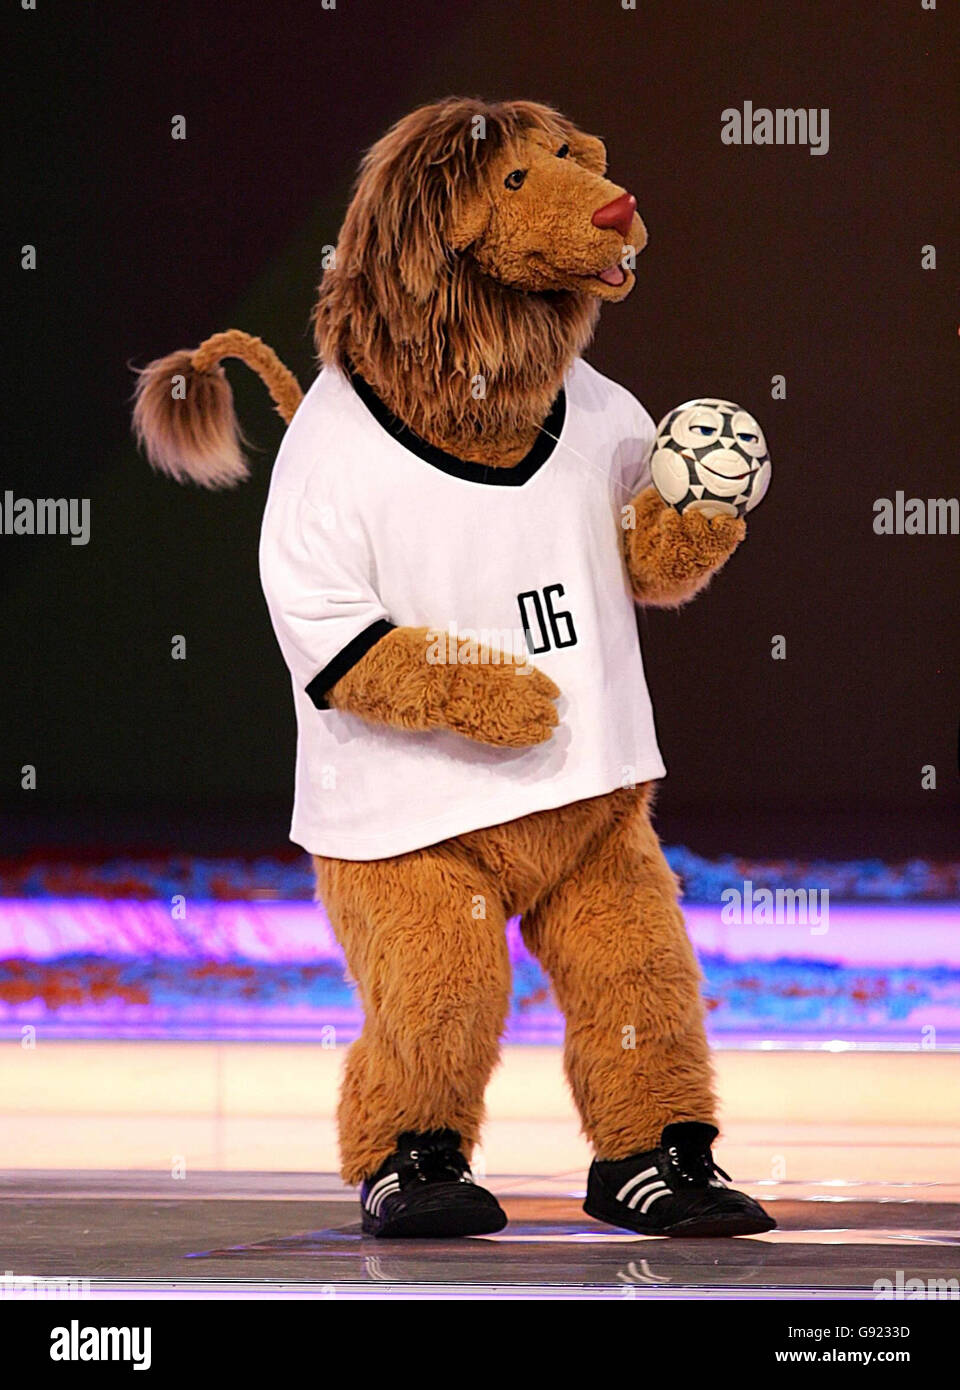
[[515, 476]]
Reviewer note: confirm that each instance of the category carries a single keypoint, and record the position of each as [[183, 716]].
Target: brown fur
[[444, 275], [600, 913], [670, 557], [599, 900], [183, 414], [500, 702]]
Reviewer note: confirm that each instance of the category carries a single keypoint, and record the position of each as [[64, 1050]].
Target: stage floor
[[290, 1235], [204, 1169]]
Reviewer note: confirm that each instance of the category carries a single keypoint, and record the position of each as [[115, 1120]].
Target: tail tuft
[[185, 421], [184, 416]]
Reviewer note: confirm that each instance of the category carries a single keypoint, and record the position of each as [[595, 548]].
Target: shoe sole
[[438, 1220], [702, 1228]]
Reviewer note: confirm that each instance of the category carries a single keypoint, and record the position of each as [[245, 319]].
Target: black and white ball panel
[[710, 456]]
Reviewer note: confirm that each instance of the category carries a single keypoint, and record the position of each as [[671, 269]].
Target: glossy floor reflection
[[300, 1235]]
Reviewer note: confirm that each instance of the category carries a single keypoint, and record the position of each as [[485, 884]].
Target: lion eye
[[516, 178], [563, 151]]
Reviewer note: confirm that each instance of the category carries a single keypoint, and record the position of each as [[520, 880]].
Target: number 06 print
[[539, 638]]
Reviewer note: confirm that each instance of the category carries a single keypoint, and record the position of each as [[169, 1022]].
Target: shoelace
[[436, 1159], [695, 1166]]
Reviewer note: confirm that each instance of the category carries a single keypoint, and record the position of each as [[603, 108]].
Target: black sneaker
[[675, 1190], [426, 1189]]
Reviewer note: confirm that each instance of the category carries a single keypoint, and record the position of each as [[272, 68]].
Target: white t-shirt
[[366, 525]]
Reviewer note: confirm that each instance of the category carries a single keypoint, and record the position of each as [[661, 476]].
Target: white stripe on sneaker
[[641, 1192], [381, 1197], [380, 1190], [640, 1177], [382, 1182], [654, 1197]]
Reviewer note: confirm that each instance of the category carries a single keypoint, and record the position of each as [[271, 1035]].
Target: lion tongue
[[613, 275]]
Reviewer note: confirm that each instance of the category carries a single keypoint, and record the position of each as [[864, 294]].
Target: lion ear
[[412, 228], [424, 232], [468, 223]]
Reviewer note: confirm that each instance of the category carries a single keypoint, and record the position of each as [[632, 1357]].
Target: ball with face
[[710, 456]]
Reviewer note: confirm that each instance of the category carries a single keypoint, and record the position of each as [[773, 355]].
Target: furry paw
[[671, 556], [507, 705], [694, 545]]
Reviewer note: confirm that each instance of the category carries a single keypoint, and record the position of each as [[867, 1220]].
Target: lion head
[[480, 241]]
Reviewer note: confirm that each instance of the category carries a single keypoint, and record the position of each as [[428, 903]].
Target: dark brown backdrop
[[762, 260]]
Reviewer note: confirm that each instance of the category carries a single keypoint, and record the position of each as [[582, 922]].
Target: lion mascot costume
[[457, 476]]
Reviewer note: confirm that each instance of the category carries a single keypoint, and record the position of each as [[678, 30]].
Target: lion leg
[[612, 938], [425, 941]]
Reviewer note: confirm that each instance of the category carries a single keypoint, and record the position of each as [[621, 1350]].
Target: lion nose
[[618, 214]]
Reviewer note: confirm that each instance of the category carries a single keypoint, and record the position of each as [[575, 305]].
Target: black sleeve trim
[[345, 660]]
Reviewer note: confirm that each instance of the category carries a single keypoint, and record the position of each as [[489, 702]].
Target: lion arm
[[670, 557], [503, 703], [391, 684]]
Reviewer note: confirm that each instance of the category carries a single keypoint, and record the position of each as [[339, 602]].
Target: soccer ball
[[710, 456]]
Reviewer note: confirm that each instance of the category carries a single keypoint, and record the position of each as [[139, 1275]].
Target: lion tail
[[184, 416]]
